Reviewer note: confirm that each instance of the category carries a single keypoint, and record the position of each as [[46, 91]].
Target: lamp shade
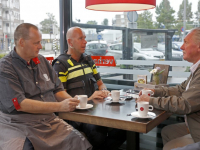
[[120, 5]]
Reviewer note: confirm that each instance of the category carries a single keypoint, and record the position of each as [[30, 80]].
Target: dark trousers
[[28, 145], [101, 138]]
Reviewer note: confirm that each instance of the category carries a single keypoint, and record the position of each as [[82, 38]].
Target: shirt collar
[[36, 60], [194, 66], [15, 55], [81, 58]]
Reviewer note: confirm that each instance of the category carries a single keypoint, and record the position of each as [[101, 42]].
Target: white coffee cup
[[83, 100], [115, 94], [147, 92], [143, 108]]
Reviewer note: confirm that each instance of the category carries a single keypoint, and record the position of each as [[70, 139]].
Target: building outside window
[[147, 20]]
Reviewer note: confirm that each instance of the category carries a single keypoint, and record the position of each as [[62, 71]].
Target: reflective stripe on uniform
[[78, 73], [99, 80], [63, 73], [71, 68], [88, 70], [63, 78], [95, 71], [70, 62]]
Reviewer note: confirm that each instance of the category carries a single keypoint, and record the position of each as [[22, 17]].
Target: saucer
[[116, 102], [149, 115], [87, 106], [134, 95], [110, 100]]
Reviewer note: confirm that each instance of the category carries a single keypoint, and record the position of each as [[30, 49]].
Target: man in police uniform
[[76, 70], [30, 94], [79, 75]]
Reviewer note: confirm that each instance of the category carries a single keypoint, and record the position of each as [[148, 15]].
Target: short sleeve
[[95, 72], [10, 88]]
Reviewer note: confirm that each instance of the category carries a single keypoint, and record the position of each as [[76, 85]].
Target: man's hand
[[35, 106], [69, 104], [144, 97], [99, 94], [140, 93], [106, 92]]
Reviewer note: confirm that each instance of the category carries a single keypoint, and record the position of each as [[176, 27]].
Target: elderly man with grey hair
[[182, 99], [30, 94]]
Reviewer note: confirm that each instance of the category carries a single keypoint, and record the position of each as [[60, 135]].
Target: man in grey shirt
[[30, 94]]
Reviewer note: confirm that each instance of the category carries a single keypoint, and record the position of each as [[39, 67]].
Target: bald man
[[74, 56], [79, 75]]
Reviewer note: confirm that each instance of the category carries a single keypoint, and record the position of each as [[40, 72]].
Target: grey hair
[[196, 34], [22, 31]]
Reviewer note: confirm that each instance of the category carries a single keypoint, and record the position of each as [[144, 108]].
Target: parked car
[[138, 53], [177, 46], [176, 55], [96, 48], [115, 50], [146, 53]]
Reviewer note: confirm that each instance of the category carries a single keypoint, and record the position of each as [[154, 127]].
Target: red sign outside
[[98, 60], [104, 60], [50, 59]]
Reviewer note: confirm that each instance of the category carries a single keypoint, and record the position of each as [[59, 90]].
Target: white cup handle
[[79, 102], [152, 93], [150, 109]]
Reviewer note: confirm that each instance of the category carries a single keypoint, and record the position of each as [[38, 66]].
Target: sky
[[34, 11]]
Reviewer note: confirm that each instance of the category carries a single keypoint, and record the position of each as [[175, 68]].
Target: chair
[[163, 79]]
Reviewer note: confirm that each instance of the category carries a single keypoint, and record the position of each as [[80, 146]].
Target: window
[[37, 12], [103, 46], [91, 46], [117, 21], [118, 47], [0, 24]]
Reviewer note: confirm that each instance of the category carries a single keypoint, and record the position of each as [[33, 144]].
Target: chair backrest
[[165, 73]]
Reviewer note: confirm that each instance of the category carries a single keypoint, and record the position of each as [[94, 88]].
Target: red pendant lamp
[[120, 5]]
